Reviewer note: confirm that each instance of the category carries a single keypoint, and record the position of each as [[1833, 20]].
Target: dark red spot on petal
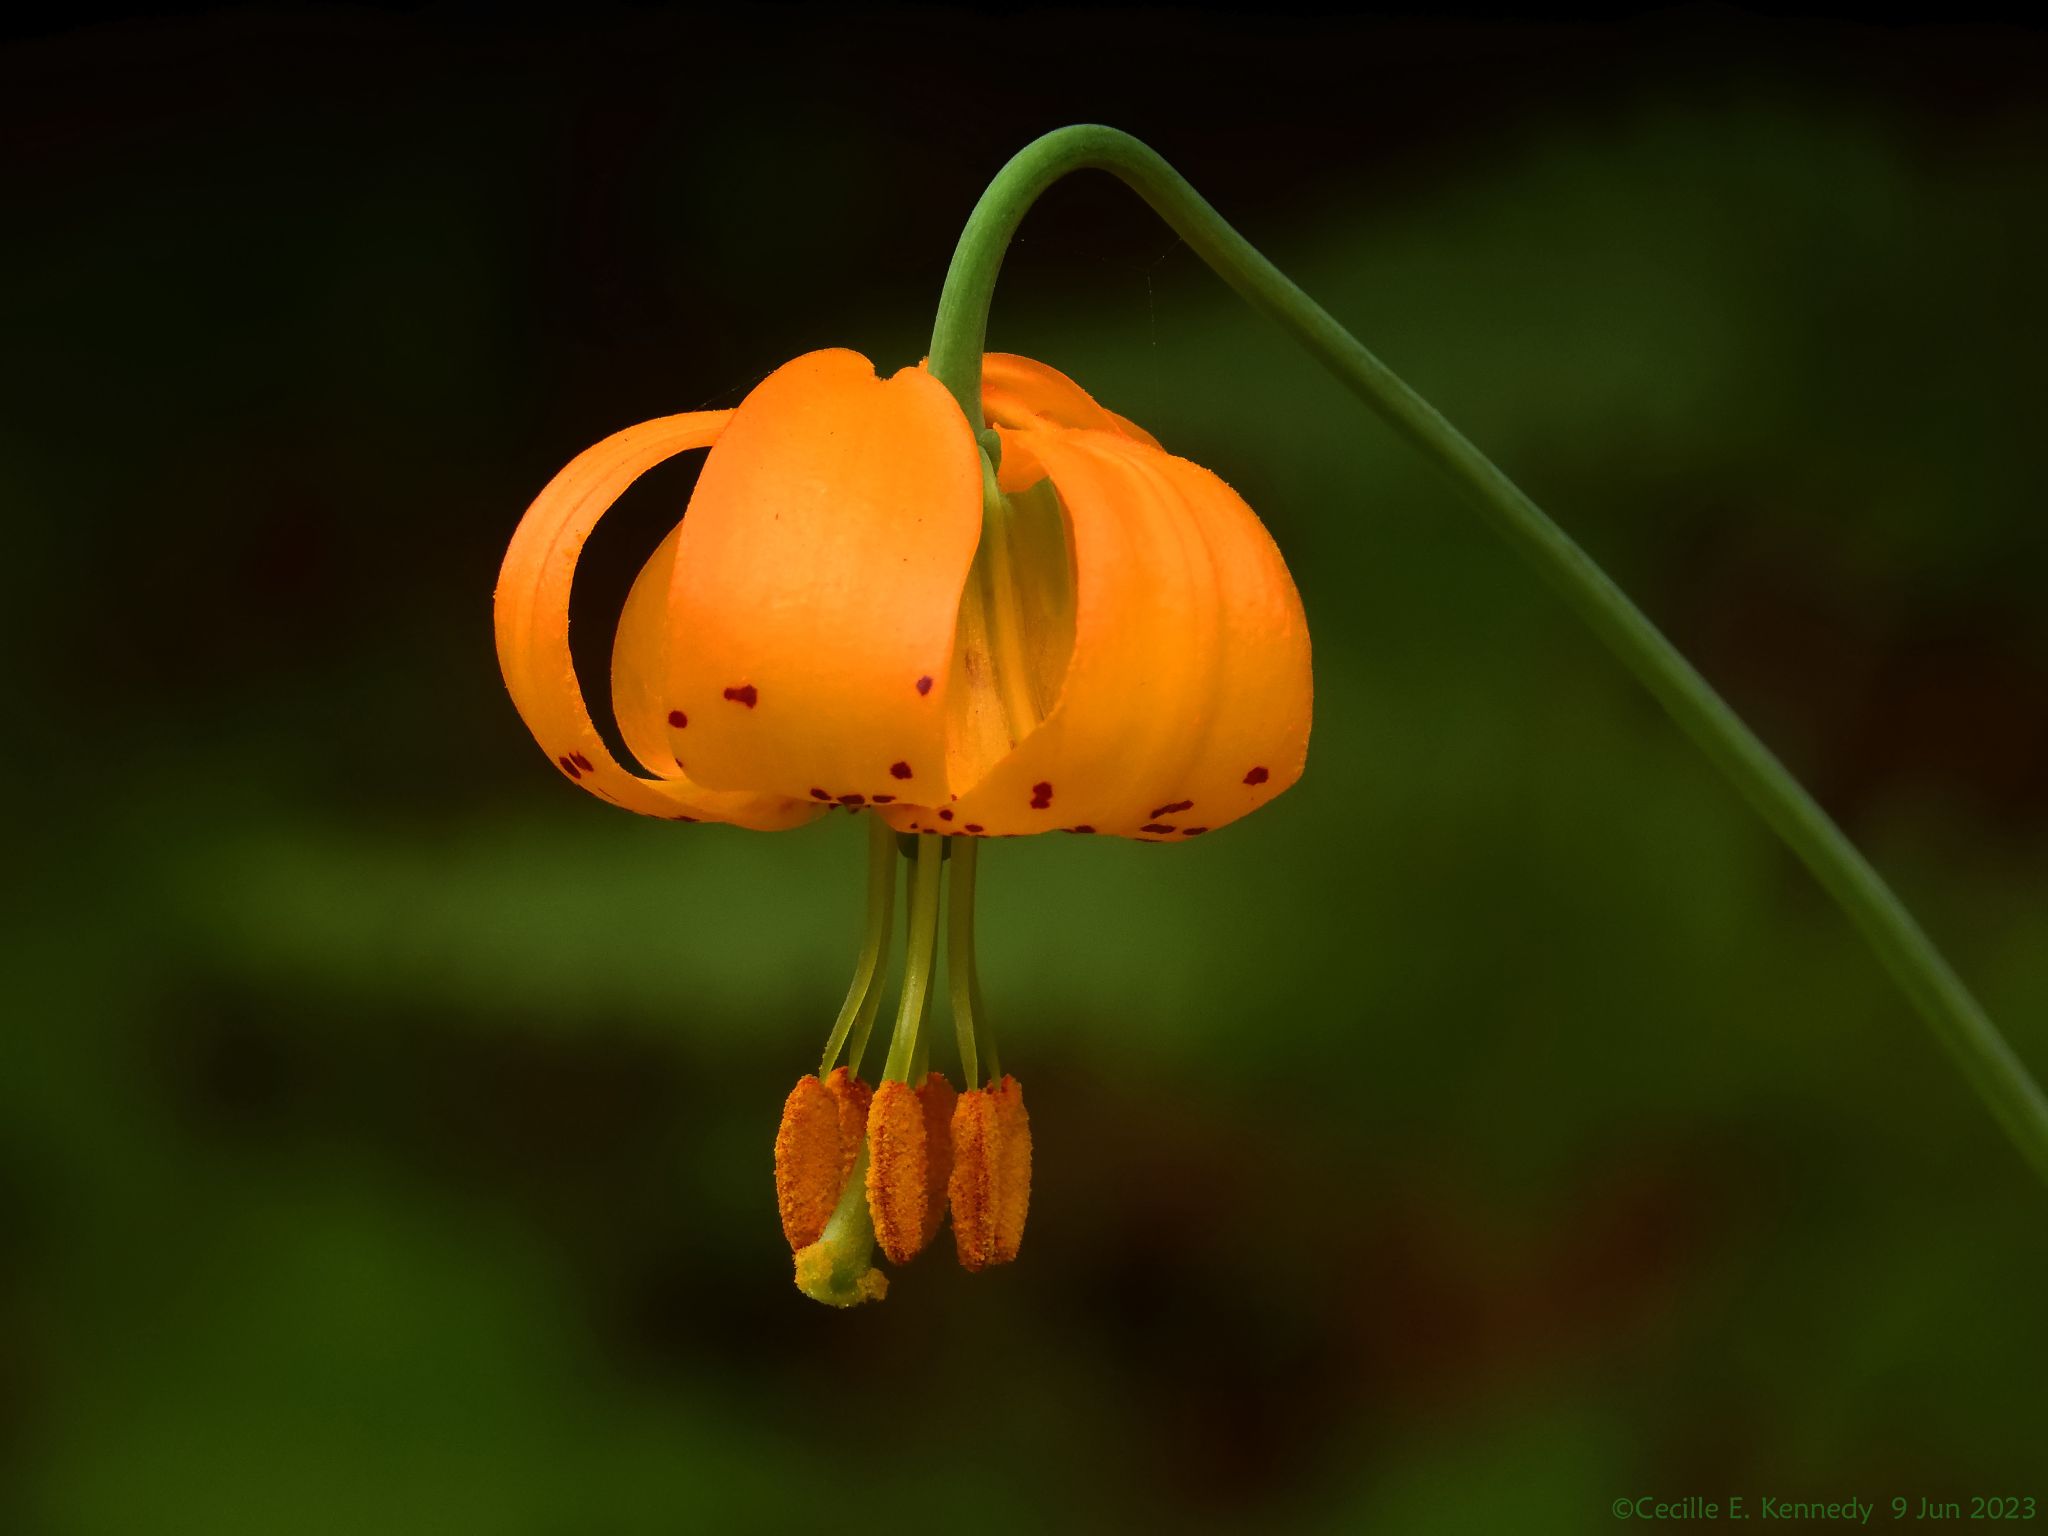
[[853, 799], [748, 695], [1155, 826], [678, 719], [1173, 809], [884, 799], [569, 768], [945, 815], [899, 770], [580, 761], [821, 794], [1256, 776], [924, 685], [1041, 796], [1192, 831], [1080, 829], [972, 826], [682, 818]]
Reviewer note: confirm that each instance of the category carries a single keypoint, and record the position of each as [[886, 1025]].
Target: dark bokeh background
[[1498, 1125]]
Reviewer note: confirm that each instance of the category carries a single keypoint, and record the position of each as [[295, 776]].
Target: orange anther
[[991, 1182], [815, 1147], [937, 1099], [907, 1164], [852, 1095]]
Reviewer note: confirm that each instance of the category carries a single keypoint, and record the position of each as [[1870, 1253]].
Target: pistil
[[838, 1269]]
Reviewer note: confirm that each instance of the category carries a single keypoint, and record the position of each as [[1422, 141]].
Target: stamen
[[991, 1183], [852, 1096], [909, 1162], [810, 1168], [935, 1096]]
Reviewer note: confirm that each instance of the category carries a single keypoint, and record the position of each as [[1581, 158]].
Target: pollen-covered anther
[[909, 1158], [815, 1148], [938, 1100], [991, 1183]]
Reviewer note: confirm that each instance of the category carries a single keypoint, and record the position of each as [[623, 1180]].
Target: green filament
[[864, 996], [920, 956], [970, 1018]]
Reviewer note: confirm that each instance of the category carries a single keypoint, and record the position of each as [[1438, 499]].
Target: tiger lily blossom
[[870, 605], [816, 633]]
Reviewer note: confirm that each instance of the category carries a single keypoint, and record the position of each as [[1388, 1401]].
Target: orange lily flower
[[808, 635], [866, 607]]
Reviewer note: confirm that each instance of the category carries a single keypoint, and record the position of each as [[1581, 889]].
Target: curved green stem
[[957, 343]]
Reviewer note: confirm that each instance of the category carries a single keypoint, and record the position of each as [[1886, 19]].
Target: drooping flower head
[[815, 631], [873, 603]]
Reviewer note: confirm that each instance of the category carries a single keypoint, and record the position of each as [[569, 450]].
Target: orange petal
[[532, 621], [991, 1183], [640, 664], [1186, 700], [1018, 392], [810, 1171], [908, 1159], [817, 583]]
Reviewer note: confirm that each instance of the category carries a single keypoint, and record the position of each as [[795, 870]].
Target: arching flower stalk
[[967, 601]]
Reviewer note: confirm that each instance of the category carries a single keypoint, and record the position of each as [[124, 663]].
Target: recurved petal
[[532, 623], [817, 581], [640, 665], [1022, 392], [1019, 392], [1186, 701]]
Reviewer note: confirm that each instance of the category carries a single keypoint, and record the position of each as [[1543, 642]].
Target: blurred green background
[[1498, 1125]]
